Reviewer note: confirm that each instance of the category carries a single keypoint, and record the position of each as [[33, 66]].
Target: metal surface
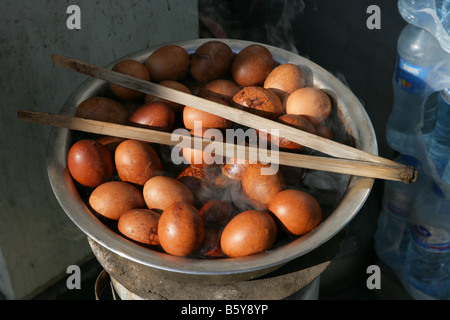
[[292, 279], [352, 114]]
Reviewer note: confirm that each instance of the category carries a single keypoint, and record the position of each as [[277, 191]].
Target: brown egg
[[113, 198], [285, 79], [252, 65], [260, 101], [210, 247], [180, 229], [216, 211], [140, 225], [259, 186], [132, 68], [297, 211], [248, 233], [312, 103], [221, 88], [292, 120], [102, 109], [193, 178], [212, 60], [154, 115], [176, 85], [161, 191], [199, 158], [137, 161], [235, 168], [205, 119], [90, 163], [324, 131], [169, 62]]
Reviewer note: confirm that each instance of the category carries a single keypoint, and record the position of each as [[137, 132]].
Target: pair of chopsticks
[[345, 159]]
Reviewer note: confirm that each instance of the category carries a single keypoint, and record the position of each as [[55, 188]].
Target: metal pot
[[353, 116]]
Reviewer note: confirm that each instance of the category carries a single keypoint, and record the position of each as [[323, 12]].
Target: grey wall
[[37, 240]]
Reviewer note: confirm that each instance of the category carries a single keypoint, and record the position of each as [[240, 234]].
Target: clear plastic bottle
[[419, 59], [427, 259], [393, 221], [429, 117], [432, 15], [443, 13], [439, 148]]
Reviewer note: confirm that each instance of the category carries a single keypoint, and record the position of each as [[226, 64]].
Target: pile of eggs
[[136, 190]]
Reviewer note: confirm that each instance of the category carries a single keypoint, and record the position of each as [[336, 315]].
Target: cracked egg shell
[[259, 100], [261, 183], [140, 225], [137, 161]]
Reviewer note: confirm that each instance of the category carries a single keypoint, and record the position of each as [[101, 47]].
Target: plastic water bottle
[[392, 230], [432, 15], [439, 148], [419, 58], [429, 117], [427, 259]]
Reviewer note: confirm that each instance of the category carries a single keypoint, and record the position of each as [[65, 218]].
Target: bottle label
[[399, 202], [411, 78], [431, 239], [399, 205]]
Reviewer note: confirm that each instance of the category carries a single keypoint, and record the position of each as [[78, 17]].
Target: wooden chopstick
[[395, 171], [242, 117]]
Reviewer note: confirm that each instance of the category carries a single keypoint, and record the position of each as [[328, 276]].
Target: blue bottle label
[[411, 78], [431, 239], [399, 205]]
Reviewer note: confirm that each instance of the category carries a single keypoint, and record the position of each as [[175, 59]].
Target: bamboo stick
[[393, 171]]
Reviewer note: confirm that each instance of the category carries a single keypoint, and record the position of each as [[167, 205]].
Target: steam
[[270, 22], [281, 33]]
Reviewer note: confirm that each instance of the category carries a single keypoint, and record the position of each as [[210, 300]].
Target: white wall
[[37, 239]]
